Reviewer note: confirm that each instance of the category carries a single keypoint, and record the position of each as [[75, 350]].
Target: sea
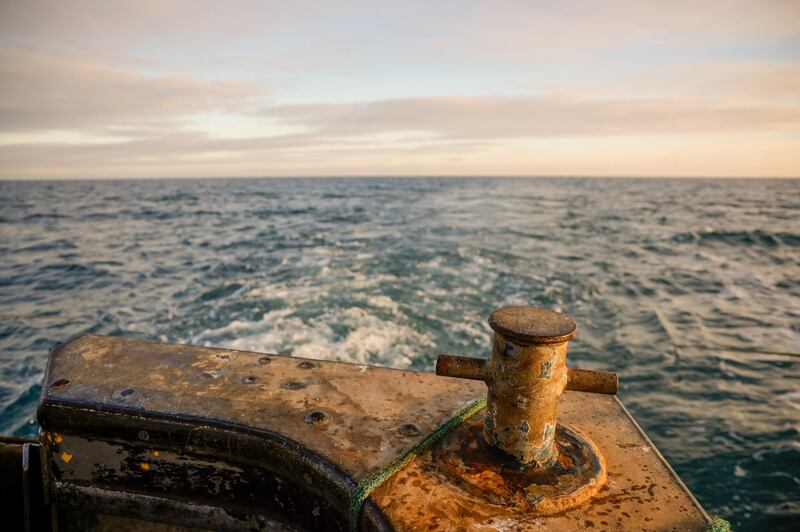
[[688, 288]]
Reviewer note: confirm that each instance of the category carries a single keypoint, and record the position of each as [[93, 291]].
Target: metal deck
[[214, 438]]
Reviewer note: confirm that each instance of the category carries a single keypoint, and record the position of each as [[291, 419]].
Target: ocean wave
[[755, 237], [59, 244]]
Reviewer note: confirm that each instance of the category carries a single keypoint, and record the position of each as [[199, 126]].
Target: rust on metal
[[574, 477], [525, 377], [578, 380], [593, 381], [461, 367], [532, 325], [194, 442], [286, 437], [525, 384], [641, 491]]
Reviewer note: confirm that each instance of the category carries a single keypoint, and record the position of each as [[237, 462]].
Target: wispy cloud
[[41, 91], [493, 117]]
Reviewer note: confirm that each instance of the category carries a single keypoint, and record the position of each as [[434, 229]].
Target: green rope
[[366, 486], [718, 524]]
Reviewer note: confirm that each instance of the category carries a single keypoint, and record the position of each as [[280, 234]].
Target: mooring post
[[526, 375]]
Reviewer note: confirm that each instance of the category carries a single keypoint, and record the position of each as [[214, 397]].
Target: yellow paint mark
[[66, 457], [156, 453], [58, 438], [144, 466]]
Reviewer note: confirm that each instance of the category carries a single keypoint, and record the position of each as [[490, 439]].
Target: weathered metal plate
[[213, 438], [641, 492], [367, 406], [318, 428]]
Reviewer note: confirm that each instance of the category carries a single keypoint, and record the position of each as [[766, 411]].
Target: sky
[[116, 89]]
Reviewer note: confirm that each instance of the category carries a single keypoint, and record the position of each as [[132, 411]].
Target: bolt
[[317, 417], [409, 430], [292, 385]]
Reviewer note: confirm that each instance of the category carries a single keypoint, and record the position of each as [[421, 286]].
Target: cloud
[[91, 88], [41, 91], [730, 133], [493, 117], [198, 155]]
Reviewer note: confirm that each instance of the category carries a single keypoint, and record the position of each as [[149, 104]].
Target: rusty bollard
[[526, 375]]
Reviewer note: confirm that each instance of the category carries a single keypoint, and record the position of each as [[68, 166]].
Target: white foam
[[369, 339]]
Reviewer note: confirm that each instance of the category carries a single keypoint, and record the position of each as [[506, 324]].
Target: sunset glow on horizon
[[204, 89]]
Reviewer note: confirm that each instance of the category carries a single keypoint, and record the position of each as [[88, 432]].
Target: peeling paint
[[547, 369]]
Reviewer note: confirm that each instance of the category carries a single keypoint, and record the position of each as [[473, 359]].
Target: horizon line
[[392, 176]]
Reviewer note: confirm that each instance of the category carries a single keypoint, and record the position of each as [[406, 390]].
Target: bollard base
[[475, 467]]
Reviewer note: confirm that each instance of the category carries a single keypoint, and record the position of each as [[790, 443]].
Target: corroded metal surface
[[575, 476], [532, 325], [593, 381], [641, 492], [578, 380], [367, 405], [525, 384], [525, 376], [550, 467], [305, 432], [461, 367], [220, 439]]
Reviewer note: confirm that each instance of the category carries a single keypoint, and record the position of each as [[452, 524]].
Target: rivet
[[292, 385], [250, 379], [210, 374], [126, 392], [263, 361], [59, 383], [408, 430], [143, 435], [317, 417], [306, 365]]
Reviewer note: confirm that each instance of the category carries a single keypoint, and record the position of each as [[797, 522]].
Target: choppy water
[[690, 289]]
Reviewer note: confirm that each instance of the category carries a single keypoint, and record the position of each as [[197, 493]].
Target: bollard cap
[[533, 325]]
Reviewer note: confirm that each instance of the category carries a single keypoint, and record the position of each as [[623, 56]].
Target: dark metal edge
[[82, 418]]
